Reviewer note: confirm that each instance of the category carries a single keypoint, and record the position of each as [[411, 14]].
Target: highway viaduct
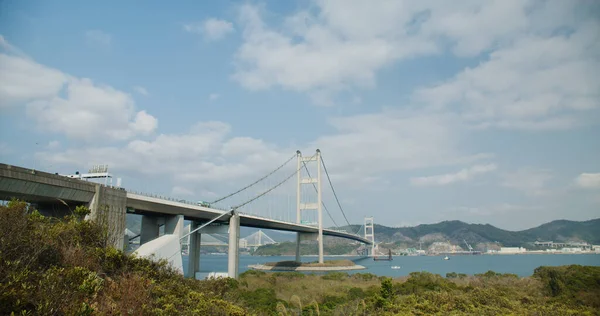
[[56, 195]]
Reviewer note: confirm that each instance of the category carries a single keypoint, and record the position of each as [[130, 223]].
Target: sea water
[[521, 264]]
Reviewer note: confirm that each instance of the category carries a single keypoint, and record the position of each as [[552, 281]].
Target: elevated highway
[[145, 205]]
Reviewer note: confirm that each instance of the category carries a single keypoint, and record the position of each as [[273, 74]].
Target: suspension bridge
[[274, 201]]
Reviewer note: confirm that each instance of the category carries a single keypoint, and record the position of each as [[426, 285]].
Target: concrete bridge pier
[[151, 224], [167, 246], [298, 242], [108, 208], [301, 237], [194, 251], [234, 239], [150, 229]]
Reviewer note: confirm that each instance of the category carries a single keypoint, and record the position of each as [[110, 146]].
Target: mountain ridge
[[457, 232]]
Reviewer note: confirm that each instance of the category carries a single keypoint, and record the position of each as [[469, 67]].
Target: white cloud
[[342, 47], [76, 107], [98, 38], [22, 80], [91, 112], [531, 181], [141, 90], [475, 26], [143, 123], [523, 86], [499, 209], [6, 46], [588, 180], [213, 96], [362, 150], [445, 179], [206, 153], [212, 29], [373, 144]]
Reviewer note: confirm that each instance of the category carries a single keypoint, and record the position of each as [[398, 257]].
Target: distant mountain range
[[456, 232]]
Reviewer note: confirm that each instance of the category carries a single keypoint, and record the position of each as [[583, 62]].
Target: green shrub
[[364, 276], [63, 266], [335, 276], [573, 283], [451, 275]]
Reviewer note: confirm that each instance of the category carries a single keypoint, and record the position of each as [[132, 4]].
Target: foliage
[[574, 283], [424, 293], [61, 266]]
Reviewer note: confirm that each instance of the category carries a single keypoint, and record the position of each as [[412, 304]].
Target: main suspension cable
[[332, 189], [271, 189], [253, 183]]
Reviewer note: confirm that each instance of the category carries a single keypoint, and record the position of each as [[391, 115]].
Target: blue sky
[[486, 112]]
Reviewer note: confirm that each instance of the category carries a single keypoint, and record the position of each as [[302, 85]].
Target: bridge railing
[[168, 198]]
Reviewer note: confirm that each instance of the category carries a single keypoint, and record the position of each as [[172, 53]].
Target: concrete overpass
[[57, 195]]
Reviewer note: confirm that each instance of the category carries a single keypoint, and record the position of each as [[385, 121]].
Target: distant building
[[507, 250]]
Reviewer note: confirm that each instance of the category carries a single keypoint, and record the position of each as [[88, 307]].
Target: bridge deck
[[38, 186], [151, 205]]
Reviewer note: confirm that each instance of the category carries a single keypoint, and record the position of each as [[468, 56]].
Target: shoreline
[[263, 267], [449, 254]]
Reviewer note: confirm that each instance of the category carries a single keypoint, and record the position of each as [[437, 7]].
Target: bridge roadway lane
[[154, 206]]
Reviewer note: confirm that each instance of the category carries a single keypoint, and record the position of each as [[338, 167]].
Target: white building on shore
[[511, 250]]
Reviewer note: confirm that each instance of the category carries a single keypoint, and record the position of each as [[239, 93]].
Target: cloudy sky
[[481, 111]]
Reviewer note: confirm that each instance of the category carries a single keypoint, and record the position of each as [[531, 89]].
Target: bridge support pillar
[[174, 225], [234, 238], [194, 251], [298, 242], [149, 230], [108, 208], [304, 236]]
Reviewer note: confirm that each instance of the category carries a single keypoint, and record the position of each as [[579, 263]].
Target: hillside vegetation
[[569, 290], [64, 267]]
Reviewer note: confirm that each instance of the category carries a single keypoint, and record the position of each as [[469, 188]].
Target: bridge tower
[[370, 233], [309, 206]]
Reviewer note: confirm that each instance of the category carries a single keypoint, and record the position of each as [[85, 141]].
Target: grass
[[569, 290]]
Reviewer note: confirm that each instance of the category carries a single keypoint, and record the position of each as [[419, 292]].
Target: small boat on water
[[395, 267], [446, 258]]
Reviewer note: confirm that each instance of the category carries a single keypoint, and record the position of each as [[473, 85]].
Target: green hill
[[479, 236], [457, 232]]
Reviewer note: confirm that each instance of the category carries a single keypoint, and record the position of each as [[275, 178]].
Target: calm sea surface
[[522, 265]]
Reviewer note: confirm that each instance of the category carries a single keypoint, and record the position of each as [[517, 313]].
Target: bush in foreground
[[62, 266]]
